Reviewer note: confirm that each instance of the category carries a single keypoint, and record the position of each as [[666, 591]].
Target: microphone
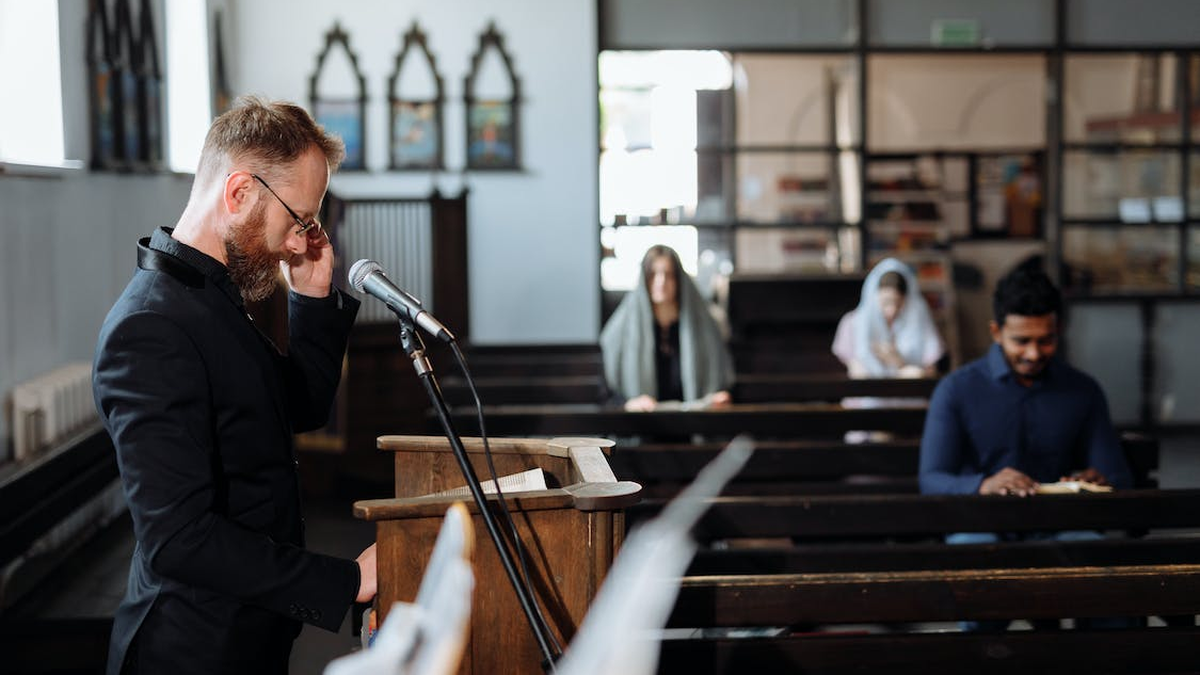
[[366, 276]]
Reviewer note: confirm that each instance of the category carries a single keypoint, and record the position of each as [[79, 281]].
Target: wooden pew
[[923, 555], [525, 390], [792, 387], [572, 360], [1161, 650], [866, 516], [855, 583], [43, 627], [814, 467], [37, 494], [533, 381], [936, 595], [783, 420], [777, 328], [776, 467]]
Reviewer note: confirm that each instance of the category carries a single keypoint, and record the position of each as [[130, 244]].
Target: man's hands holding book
[[1009, 481]]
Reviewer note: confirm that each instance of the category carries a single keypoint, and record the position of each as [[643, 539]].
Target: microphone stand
[[414, 347]]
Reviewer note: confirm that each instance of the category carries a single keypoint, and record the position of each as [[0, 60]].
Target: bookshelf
[[910, 199]]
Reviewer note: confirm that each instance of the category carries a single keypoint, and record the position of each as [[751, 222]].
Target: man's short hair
[[263, 135], [1025, 291]]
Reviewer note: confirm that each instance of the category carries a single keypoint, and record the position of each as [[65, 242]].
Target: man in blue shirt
[[1019, 416]]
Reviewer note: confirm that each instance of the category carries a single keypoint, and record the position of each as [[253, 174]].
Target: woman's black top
[[666, 363]]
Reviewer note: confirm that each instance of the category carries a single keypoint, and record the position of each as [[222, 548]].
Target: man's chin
[[1029, 370]]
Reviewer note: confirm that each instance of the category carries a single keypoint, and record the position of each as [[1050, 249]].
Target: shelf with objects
[[1079, 137], [746, 161], [1129, 185]]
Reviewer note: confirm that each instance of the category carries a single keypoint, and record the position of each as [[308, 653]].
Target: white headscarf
[[913, 328], [628, 344]]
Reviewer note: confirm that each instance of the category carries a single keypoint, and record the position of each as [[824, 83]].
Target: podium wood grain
[[570, 532]]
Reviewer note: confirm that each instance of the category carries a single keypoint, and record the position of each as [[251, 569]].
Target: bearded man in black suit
[[201, 407]]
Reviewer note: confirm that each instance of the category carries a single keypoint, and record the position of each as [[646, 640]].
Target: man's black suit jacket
[[201, 408]]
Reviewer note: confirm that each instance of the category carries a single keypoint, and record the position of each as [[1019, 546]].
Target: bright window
[[31, 125], [189, 100]]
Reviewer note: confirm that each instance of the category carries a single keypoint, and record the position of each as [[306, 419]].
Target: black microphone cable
[[512, 526]]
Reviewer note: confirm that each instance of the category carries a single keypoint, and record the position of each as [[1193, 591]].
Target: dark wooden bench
[[778, 326], [875, 516], [778, 420], [522, 361], [1142, 652], [936, 595], [42, 628], [814, 467], [822, 583], [813, 557], [526, 388], [38, 494], [791, 387]]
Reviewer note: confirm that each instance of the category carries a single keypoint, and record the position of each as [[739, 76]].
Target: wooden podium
[[571, 532]]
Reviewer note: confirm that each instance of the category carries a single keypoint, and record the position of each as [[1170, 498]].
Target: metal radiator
[[397, 234], [51, 407]]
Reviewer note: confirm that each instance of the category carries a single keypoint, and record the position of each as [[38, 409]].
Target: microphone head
[[359, 272]]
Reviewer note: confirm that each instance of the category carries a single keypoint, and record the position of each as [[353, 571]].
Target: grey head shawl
[[628, 343]]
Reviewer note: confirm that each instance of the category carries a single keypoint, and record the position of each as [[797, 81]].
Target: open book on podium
[[571, 530]]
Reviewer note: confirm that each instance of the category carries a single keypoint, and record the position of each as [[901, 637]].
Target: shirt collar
[[212, 269], [996, 363]]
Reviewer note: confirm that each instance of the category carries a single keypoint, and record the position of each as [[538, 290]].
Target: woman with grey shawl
[[661, 343]]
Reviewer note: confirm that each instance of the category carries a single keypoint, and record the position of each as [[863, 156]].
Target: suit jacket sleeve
[[318, 330], [152, 388]]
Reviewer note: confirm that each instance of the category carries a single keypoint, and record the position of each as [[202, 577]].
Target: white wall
[[69, 239], [69, 249], [974, 102], [534, 246]]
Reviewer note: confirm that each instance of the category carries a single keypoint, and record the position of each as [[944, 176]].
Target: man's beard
[[253, 267]]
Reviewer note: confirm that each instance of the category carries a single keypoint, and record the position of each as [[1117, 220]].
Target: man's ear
[[237, 194], [995, 329]]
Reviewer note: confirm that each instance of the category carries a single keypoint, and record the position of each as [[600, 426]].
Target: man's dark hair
[[1025, 291]]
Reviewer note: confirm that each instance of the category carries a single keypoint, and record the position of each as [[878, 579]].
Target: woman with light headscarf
[[661, 343], [891, 333]]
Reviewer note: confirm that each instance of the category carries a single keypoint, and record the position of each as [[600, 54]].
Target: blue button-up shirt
[[981, 420]]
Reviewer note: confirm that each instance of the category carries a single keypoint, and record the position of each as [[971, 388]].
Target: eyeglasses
[[304, 227]]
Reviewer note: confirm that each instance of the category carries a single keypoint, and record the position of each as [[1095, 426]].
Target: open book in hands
[[1071, 486]]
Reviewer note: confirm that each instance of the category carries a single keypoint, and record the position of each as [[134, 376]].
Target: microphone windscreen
[[359, 272]]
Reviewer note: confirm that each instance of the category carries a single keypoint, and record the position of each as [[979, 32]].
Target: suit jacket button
[[316, 615]]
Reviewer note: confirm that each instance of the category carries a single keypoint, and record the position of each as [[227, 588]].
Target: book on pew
[[1063, 487], [526, 481]]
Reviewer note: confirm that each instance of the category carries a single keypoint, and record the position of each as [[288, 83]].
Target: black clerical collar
[[212, 269]]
